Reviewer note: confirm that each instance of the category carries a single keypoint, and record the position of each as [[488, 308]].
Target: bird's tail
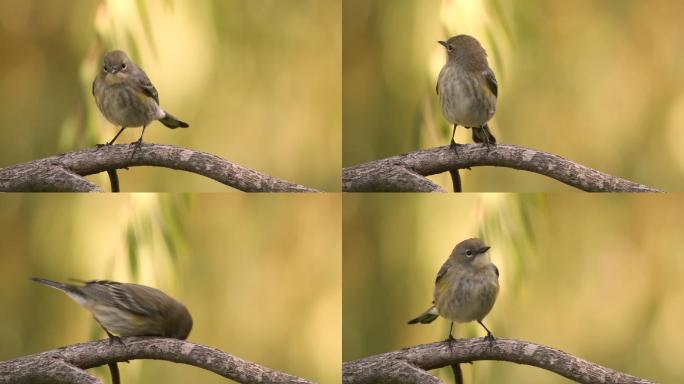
[[172, 122], [426, 317], [483, 135], [53, 284], [73, 291]]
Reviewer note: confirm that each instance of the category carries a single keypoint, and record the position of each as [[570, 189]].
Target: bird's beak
[[483, 250], [113, 71], [444, 43]]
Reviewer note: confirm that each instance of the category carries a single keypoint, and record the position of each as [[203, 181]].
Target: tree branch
[[68, 364], [65, 172], [383, 367], [408, 172]]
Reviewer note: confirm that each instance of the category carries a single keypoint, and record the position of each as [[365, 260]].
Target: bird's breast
[[124, 105], [464, 296], [463, 97]]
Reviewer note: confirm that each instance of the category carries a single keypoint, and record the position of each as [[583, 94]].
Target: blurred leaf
[[417, 127], [495, 54], [147, 26], [174, 210], [147, 226], [499, 15], [170, 242], [132, 242], [169, 4], [133, 49]]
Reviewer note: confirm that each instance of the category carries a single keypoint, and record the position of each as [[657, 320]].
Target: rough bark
[[393, 367], [64, 172], [68, 364], [408, 172]]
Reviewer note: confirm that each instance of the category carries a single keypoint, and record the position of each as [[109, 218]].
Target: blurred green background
[[592, 81], [598, 276], [261, 275], [259, 82]]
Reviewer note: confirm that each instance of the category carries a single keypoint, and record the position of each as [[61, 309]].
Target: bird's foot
[[115, 339], [490, 338], [454, 145], [488, 143]]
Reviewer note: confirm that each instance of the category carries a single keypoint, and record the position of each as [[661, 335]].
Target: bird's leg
[[451, 329], [450, 342], [112, 338], [490, 336], [486, 138], [114, 139], [140, 140], [453, 143]]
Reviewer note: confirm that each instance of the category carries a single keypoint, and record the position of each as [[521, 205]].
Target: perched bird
[[126, 97], [129, 309], [466, 287], [467, 88]]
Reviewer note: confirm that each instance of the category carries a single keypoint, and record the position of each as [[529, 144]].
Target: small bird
[[466, 287], [129, 309], [467, 88], [126, 96]]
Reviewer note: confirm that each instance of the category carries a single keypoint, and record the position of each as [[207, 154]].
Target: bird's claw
[[454, 145], [115, 339]]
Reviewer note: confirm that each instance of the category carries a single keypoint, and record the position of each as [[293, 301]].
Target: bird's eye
[[469, 253], [450, 48], [104, 68], [123, 66]]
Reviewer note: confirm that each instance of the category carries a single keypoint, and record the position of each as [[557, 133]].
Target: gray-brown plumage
[[467, 88], [129, 309], [126, 97], [466, 286]]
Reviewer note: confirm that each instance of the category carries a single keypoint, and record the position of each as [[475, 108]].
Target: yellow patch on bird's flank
[[142, 97], [441, 287], [485, 89]]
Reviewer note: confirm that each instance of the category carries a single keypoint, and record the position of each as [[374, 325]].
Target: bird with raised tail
[[126, 96]]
